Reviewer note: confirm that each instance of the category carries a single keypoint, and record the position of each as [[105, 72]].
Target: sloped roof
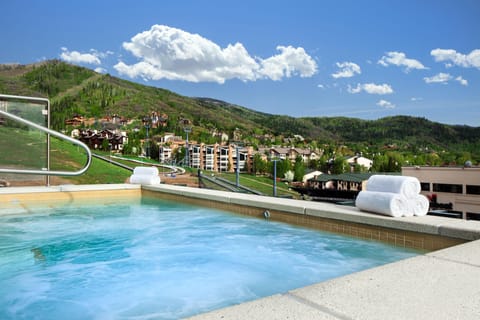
[[350, 177], [303, 151], [280, 150]]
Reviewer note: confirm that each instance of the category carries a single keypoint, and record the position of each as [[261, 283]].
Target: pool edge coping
[[456, 228]]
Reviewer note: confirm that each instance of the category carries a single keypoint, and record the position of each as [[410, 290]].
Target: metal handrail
[[55, 134]]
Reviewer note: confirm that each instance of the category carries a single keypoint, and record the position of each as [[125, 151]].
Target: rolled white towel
[[144, 179], [145, 175], [405, 185], [151, 171], [419, 205], [386, 203], [409, 210]]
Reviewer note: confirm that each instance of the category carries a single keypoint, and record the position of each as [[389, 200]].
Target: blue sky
[[362, 59]]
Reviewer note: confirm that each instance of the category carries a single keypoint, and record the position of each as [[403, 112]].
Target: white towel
[[419, 205], [151, 171], [405, 185], [386, 203], [144, 179], [409, 210], [145, 175]]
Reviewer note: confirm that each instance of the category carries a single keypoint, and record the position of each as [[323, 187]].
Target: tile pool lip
[[440, 284]]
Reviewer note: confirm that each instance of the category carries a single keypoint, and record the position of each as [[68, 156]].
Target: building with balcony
[[292, 154], [220, 158]]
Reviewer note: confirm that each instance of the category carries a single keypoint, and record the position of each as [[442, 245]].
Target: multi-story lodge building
[[457, 187]]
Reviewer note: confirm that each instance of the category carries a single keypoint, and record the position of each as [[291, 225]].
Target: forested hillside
[[75, 90]]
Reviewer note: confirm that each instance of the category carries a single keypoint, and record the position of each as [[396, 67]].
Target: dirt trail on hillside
[[184, 179]]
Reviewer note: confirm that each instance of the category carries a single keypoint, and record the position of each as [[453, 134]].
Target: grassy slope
[[28, 147], [65, 156]]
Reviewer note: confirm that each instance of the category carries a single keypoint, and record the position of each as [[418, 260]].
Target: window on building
[[446, 187], [425, 186], [471, 189]]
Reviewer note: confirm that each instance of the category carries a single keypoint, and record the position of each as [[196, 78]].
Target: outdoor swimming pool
[[162, 260]]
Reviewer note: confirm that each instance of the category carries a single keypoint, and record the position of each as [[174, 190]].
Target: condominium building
[[209, 159], [220, 158], [292, 154], [164, 154], [223, 158]]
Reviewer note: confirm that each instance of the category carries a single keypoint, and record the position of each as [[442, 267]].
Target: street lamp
[[275, 177], [187, 127], [237, 171], [146, 122]]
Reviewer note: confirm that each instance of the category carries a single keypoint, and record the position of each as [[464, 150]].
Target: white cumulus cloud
[[76, 57], [451, 56], [385, 104], [170, 53], [371, 88], [400, 59], [347, 70], [438, 78], [462, 81], [291, 61]]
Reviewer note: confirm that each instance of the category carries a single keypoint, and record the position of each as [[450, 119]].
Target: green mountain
[[75, 90]]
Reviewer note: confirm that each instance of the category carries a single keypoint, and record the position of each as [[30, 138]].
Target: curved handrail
[[55, 134]]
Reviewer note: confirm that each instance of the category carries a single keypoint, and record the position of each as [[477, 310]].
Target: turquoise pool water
[[162, 260]]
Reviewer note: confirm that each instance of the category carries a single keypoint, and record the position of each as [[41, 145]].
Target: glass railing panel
[[21, 146]]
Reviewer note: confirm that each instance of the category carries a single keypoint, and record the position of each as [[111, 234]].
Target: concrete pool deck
[[441, 284]]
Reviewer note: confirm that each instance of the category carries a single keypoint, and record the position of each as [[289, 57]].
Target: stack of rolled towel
[[145, 175], [396, 196]]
